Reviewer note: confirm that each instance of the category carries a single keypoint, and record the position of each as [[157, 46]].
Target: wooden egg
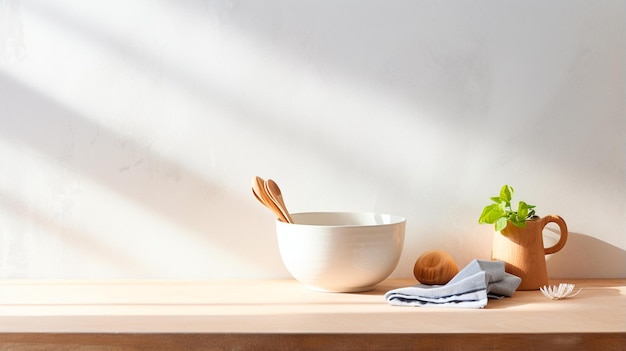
[[435, 267]]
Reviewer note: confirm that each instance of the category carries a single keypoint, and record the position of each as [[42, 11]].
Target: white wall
[[130, 130]]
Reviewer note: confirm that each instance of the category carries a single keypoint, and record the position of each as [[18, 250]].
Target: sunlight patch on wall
[[53, 218], [119, 67], [152, 102]]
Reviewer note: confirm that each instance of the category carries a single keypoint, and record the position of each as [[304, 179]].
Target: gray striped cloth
[[470, 288]]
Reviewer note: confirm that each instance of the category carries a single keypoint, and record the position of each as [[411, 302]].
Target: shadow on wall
[[255, 115], [183, 197], [455, 81], [585, 256], [79, 239]]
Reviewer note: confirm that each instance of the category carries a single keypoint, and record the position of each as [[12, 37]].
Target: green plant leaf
[[522, 210], [506, 193], [491, 214], [501, 223], [496, 199], [518, 221]]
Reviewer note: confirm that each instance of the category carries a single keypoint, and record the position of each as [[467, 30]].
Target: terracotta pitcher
[[523, 251]]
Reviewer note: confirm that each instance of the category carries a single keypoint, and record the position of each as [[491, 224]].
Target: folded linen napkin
[[470, 288]]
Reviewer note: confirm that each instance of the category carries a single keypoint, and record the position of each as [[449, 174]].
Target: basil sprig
[[500, 212]]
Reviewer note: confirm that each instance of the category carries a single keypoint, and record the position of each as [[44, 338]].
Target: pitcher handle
[[563, 235]]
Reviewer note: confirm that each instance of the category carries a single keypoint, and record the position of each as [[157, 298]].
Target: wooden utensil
[[258, 189], [276, 196]]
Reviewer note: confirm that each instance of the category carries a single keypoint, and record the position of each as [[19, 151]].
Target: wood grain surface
[[283, 315]]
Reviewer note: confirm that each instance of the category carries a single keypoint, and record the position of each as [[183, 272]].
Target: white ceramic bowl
[[341, 251]]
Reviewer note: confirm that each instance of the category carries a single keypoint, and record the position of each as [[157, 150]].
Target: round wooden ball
[[435, 267]]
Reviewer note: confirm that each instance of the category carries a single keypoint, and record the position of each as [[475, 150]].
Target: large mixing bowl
[[341, 251]]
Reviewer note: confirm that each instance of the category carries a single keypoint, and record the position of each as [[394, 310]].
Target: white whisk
[[559, 292]]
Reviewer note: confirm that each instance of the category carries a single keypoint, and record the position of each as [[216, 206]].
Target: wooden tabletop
[[239, 310]]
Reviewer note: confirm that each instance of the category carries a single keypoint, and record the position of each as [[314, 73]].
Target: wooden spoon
[[258, 189], [258, 198], [276, 196]]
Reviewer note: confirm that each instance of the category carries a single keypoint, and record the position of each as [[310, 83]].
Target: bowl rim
[[394, 219]]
